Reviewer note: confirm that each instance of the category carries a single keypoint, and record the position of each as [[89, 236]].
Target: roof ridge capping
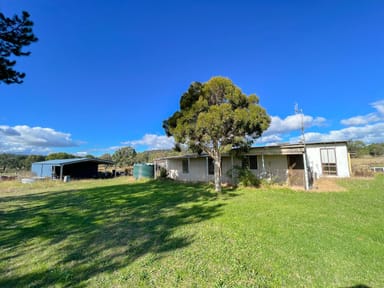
[[74, 160]]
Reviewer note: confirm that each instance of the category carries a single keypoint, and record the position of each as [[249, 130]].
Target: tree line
[[127, 156], [360, 149], [122, 158]]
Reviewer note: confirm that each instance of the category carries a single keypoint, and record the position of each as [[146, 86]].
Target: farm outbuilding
[[76, 168]]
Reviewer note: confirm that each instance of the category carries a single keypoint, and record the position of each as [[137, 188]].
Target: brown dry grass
[[361, 166], [322, 185], [368, 160], [327, 185]]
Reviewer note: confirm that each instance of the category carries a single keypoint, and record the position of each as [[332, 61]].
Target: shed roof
[[62, 162]]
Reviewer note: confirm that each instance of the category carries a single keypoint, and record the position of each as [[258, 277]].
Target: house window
[[328, 161], [250, 162], [211, 166], [185, 163]]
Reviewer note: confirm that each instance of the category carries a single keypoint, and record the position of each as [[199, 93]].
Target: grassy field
[[119, 233]]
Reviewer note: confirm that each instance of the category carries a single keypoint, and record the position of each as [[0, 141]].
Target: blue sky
[[105, 74]]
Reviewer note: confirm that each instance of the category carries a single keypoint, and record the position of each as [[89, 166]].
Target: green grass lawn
[[118, 233]]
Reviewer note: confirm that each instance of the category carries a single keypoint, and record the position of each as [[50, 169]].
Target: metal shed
[[75, 168]]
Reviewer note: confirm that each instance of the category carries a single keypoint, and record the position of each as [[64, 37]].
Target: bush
[[245, 177]]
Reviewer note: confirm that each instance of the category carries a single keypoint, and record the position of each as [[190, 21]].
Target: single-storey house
[[284, 163], [77, 168]]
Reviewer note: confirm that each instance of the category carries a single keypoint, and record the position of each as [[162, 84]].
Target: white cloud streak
[[379, 106], [28, 140], [152, 142], [373, 117], [292, 123], [361, 120], [368, 128], [369, 134]]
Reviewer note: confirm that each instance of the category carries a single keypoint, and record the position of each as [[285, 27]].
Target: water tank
[[143, 171]]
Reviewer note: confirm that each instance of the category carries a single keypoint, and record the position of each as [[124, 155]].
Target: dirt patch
[[323, 185], [327, 185]]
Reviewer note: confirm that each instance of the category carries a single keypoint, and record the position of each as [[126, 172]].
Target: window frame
[[253, 161], [329, 168], [250, 164]]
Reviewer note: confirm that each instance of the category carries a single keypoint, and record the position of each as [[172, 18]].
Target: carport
[[77, 168]]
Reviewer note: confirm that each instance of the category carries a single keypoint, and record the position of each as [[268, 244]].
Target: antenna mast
[[300, 111]]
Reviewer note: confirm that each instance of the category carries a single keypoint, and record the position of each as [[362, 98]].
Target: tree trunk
[[217, 171]]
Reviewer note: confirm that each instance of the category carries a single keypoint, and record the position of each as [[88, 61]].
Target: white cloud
[[81, 154], [25, 139], [8, 131], [369, 134], [369, 118], [361, 120], [271, 139], [368, 128], [152, 142], [379, 106], [292, 123]]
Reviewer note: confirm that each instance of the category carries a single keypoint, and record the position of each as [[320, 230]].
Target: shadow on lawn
[[98, 229]]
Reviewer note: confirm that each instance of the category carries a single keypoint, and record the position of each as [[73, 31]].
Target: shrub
[[244, 176]]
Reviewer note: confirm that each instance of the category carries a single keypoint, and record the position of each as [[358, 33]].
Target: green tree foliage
[[15, 162], [244, 176], [150, 156], [124, 157], [106, 156], [376, 149], [60, 155], [143, 157], [31, 159], [359, 149], [356, 148], [7, 161], [215, 117], [15, 34]]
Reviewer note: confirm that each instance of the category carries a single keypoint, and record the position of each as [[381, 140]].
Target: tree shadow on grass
[[83, 233]]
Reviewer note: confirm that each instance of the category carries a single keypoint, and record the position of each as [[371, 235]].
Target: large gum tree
[[215, 117]]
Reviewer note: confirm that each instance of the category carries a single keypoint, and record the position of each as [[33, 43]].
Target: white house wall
[[342, 160], [275, 169], [198, 169]]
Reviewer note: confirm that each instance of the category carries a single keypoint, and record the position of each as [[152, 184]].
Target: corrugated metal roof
[[62, 162]]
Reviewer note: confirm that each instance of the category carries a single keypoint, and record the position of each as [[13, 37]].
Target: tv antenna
[[306, 178], [300, 111]]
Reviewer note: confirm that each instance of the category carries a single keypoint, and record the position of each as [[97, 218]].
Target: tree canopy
[[15, 34], [60, 155], [215, 117], [124, 157], [359, 149]]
